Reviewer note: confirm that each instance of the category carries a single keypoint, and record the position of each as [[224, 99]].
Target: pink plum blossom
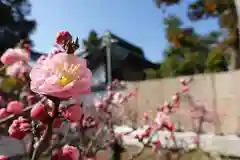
[[63, 76], [56, 49], [13, 55], [18, 69], [161, 119]]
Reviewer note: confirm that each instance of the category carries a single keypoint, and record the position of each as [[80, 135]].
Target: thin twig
[[135, 155], [47, 133], [92, 142], [60, 144]]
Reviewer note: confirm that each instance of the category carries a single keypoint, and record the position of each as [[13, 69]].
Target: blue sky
[[137, 21]]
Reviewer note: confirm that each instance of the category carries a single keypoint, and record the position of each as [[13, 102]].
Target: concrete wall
[[220, 93]]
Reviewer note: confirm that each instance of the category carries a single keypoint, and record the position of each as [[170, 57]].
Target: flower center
[[65, 79], [67, 74]]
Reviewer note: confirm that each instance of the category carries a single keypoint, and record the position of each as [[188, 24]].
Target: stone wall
[[220, 93]]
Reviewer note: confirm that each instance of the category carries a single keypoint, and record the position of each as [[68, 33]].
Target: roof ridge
[[123, 39]]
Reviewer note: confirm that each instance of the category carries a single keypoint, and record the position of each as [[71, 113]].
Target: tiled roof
[[127, 45]]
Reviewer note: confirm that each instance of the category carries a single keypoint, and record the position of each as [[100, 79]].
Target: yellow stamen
[[66, 73], [65, 79]]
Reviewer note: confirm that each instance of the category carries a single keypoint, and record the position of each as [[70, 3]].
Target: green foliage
[[9, 84], [215, 62], [93, 38], [172, 22], [189, 49], [14, 22], [170, 67], [159, 3], [151, 73], [92, 41], [190, 52]]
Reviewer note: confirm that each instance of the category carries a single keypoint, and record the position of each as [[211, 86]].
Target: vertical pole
[[109, 69]]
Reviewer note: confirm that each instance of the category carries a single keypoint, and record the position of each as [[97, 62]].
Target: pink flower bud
[[175, 98], [3, 113], [182, 81], [56, 154], [166, 104], [147, 132], [63, 37], [15, 107], [185, 89], [70, 153], [139, 138], [40, 113], [169, 126], [72, 113]]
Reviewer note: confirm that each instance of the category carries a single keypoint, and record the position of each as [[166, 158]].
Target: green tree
[[151, 73], [215, 61], [170, 67], [192, 51], [92, 41], [14, 24], [226, 11], [188, 50]]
